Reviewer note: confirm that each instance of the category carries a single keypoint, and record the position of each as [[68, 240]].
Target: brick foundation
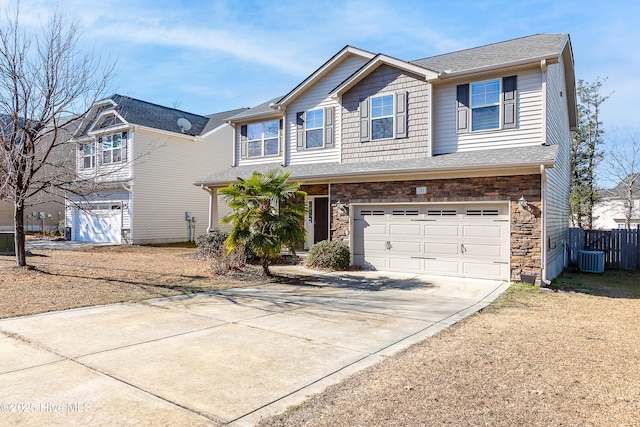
[[526, 225]]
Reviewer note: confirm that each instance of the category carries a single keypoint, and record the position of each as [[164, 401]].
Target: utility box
[[7, 243]]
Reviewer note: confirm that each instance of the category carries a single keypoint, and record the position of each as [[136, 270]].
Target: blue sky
[[210, 56]]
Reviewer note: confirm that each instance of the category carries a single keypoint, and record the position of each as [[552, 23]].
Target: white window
[[262, 139], [314, 128], [88, 152], [382, 117], [485, 105], [112, 146]]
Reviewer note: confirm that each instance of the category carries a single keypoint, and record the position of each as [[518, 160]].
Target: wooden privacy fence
[[620, 247]]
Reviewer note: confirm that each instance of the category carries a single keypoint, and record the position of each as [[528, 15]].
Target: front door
[[320, 219]]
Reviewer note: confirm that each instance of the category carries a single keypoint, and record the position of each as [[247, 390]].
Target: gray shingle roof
[[258, 110], [531, 47], [482, 159], [217, 119], [155, 116]]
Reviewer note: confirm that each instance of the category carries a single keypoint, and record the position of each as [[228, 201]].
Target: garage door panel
[[412, 248], [483, 251], [405, 264], [483, 231], [101, 226], [441, 267], [372, 230], [375, 245], [379, 263], [404, 229], [428, 241], [435, 249], [444, 230], [482, 270]]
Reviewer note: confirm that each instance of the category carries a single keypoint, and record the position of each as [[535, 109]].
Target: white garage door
[[98, 225], [451, 240]]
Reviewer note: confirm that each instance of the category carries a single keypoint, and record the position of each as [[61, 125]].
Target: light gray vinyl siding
[[529, 116], [105, 173], [163, 187], [557, 208], [317, 97], [386, 80], [257, 160]]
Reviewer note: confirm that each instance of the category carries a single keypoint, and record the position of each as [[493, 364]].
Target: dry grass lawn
[[533, 358], [63, 279]]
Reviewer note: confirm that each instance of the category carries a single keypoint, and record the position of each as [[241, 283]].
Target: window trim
[[320, 111], [498, 104], [123, 138], [263, 140], [392, 116], [92, 155], [508, 105]]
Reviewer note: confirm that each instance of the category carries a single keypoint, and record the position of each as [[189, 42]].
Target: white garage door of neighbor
[[450, 240], [98, 225]]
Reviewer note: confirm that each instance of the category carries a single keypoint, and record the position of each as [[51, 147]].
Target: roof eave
[[373, 64]]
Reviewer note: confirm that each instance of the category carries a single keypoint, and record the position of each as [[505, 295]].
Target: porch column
[[213, 209]]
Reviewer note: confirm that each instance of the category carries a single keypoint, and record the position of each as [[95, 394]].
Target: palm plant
[[267, 214]]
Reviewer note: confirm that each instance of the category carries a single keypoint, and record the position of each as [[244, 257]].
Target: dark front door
[[321, 219]]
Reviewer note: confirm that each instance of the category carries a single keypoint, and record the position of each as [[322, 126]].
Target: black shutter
[[462, 108], [125, 146], [300, 117], [401, 114], [364, 120], [509, 102], [243, 141], [280, 135], [329, 128]]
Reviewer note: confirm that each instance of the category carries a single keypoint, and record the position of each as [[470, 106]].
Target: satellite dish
[[184, 124]]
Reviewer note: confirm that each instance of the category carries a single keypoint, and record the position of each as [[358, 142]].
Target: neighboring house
[[137, 162], [620, 206], [44, 211], [456, 164]]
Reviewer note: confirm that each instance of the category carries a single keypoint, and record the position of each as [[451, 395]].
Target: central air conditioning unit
[[591, 261]]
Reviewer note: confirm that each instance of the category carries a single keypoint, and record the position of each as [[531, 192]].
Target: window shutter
[[300, 117], [364, 120], [125, 146], [462, 108], [280, 135], [329, 119], [401, 114], [98, 151], [509, 102], [243, 141]]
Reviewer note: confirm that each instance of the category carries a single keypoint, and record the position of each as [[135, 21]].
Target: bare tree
[[623, 172], [47, 83]]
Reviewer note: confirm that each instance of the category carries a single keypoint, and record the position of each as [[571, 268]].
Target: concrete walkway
[[232, 356]]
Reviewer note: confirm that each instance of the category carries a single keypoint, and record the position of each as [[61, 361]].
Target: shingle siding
[[386, 80]]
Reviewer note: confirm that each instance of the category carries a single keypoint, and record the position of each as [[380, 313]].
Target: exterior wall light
[[523, 202]]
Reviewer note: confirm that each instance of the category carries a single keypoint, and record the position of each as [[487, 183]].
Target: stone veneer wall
[[526, 225]]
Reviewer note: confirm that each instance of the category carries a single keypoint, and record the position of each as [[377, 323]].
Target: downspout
[[544, 243], [213, 212]]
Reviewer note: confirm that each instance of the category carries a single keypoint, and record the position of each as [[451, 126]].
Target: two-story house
[[136, 162], [456, 164]]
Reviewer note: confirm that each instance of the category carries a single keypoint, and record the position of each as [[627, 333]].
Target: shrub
[[211, 246], [329, 254]]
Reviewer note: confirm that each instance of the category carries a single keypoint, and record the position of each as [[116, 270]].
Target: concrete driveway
[[232, 356]]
